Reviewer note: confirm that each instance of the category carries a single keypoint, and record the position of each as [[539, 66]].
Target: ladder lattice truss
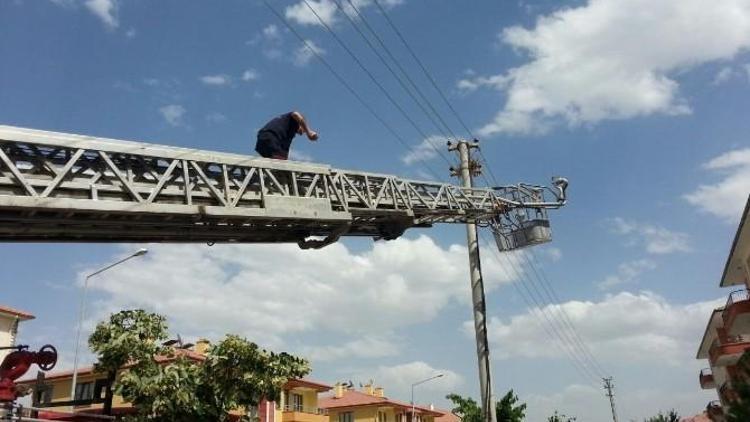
[[64, 187]]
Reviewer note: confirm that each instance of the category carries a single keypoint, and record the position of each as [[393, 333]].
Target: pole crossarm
[[66, 187]]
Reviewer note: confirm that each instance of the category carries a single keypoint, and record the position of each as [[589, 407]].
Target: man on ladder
[[275, 138]]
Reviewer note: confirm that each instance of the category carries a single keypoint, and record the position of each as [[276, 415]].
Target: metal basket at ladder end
[[527, 233], [527, 224]]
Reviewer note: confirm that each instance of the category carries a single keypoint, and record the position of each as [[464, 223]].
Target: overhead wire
[[390, 69], [565, 316], [398, 65], [571, 335], [429, 77], [536, 311], [572, 344], [374, 80], [348, 87]]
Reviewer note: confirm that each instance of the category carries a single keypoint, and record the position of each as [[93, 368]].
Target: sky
[[642, 105]]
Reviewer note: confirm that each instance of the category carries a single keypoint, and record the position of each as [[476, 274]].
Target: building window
[[84, 391], [382, 416], [297, 402], [346, 417]]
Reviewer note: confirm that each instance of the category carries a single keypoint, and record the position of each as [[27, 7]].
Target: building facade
[[299, 398], [371, 405], [9, 320], [726, 340]]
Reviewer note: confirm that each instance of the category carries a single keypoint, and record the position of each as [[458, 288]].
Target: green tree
[[465, 408], [235, 375], [670, 416], [560, 418], [507, 409], [739, 402]]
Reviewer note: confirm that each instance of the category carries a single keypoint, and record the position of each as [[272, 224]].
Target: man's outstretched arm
[[311, 134]]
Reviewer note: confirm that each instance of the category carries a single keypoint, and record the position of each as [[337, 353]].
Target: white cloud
[[612, 59], [173, 114], [271, 32], [328, 11], [260, 289], [723, 75], [305, 53], [302, 14], [131, 33], [747, 71], [626, 327], [105, 10], [656, 239], [366, 346], [216, 80], [425, 151], [216, 117], [398, 379], [726, 198], [627, 272], [250, 75]]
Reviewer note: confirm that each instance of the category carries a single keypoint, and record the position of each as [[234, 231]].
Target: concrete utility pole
[[608, 386], [468, 169]]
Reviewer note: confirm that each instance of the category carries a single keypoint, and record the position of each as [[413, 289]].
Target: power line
[[539, 316], [547, 285], [431, 79], [390, 69], [374, 80], [348, 86], [401, 68]]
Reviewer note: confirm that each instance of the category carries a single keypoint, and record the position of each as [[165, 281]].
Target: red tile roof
[[15, 312], [89, 369], [446, 416], [319, 387], [353, 398]]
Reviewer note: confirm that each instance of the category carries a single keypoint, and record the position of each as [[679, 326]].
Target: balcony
[[728, 352], [707, 379], [714, 410], [294, 413], [736, 313]]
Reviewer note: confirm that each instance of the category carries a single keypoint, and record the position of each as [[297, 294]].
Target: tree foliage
[[465, 408], [507, 409], [235, 375], [670, 416], [739, 405]]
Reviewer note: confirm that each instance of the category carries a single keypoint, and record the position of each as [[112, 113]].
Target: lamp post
[[82, 314], [412, 392]]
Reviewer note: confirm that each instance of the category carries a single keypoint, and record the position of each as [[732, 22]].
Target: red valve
[[18, 363]]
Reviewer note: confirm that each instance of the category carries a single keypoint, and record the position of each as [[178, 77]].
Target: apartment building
[[371, 405], [9, 320], [726, 340], [299, 398]]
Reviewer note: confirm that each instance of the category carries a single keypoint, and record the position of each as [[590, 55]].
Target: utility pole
[[608, 386], [467, 170]]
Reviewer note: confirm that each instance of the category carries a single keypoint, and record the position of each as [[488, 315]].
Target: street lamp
[[412, 392], [82, 313]]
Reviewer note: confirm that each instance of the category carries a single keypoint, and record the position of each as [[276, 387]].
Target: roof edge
[[734, 243]]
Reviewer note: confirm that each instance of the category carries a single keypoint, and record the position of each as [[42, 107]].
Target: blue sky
[[645, 113]]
